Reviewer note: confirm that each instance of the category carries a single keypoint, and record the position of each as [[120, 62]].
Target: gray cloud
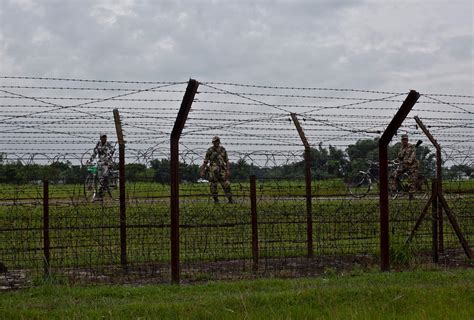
[[390, 45]]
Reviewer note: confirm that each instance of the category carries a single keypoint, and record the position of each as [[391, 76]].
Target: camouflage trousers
[[103, 176], [412, 172], [216, 177]]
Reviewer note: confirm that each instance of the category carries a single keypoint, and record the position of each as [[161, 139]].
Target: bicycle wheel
[[113, 184], [398, 188], [395, 192], [90, 187], [423, 187], [359, 186], [114, 180]]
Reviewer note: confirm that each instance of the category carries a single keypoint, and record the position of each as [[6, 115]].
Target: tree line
[[327, 163]]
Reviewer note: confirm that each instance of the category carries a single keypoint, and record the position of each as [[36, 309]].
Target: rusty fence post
[[123, 207], [385, 139], [442, 204], [456, 228], [309, 202], [253, 206], [181, 118], [46, 240], [434, 220], [309, 196], [439, 179]]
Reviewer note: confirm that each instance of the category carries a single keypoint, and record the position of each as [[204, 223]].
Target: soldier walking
[[104, 151], [217, 164]]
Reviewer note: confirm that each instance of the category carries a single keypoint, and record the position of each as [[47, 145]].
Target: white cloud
[[182, 19], [41, 36], [107, 12], [338, 43], [26, 5], [166, 44]]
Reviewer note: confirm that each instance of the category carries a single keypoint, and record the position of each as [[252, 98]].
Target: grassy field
[[150, 189], [87, 234], [431, 294], [270, 188], [84, 234]]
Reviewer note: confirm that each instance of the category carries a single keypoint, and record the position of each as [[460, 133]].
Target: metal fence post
[[439, 179], [46, 240], [309, 196], [385, 139], [434, 219], [253, 205], [181, 118], [441, 202], [123, 207]]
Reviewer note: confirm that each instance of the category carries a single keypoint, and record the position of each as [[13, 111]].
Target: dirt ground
[[198, 272]]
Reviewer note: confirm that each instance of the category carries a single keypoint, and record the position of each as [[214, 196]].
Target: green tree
[[338, 164], [459, 171], [241, 170], [188, 172], [360, 154], [11, 173], [59, 170], [135, 172], [161, 170]]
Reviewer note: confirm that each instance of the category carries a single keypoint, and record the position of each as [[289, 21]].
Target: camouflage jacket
[[104, 152], [407, 156], [217, 157]]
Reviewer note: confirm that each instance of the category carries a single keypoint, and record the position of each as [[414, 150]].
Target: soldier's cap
[[404, 136], [216, 138], [103, 134]]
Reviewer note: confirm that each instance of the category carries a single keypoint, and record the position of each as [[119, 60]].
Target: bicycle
[[400, 186], [362, 183], [91, 182]]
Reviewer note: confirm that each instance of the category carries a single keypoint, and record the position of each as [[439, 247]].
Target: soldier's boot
[[99, 196], [230, 199], [216, 199], [3, 268], [410, 196]]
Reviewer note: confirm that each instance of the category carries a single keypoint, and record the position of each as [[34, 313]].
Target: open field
[[86, 235], [335, 187], [434, 294]]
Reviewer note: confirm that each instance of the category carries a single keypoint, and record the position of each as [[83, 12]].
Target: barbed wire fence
[[50, 120]]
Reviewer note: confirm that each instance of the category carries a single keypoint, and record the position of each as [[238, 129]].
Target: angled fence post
[[439, 180], [309, 197], [181, 118], [439, 203], [455, 225], [123, 208], [385, 139]]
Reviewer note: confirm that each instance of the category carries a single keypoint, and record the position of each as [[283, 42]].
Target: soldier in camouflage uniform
[[407, 163], [216, 163], [104, 151]]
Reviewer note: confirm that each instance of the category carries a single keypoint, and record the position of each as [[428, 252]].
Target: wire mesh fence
[[216, 239], [48, 132]]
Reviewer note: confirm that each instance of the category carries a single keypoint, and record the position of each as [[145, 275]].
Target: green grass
[[406, 295], [87, 234], [151, 189], [269, 188]]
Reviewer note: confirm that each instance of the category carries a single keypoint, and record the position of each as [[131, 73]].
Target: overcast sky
[[398, 45]]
